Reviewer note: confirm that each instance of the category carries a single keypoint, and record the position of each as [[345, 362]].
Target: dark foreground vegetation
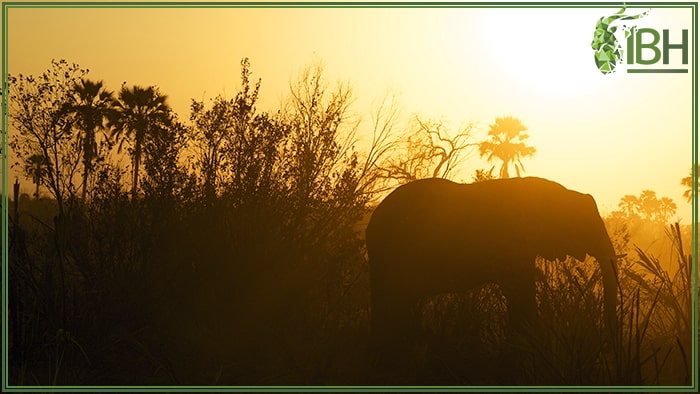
[[230, 251]]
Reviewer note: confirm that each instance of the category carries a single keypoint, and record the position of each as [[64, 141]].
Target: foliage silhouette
[[240, 258], [506, 143], [427, 152], [37, 167], [671, 294], [92, 105], [688, 183], [138, 113], [482, 175], [38, 112], [647, 206], [643, 219]]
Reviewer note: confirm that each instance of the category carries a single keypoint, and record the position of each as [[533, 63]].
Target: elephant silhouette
[[435, 236]]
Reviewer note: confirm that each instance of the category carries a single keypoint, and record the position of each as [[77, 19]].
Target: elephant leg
[[394, 322], [395, 327], [522, 312], [522, 306]]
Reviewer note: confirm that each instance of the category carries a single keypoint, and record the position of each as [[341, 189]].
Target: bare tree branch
[[428, 151]]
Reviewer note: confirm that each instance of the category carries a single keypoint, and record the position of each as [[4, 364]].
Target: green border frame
[[4, 189]]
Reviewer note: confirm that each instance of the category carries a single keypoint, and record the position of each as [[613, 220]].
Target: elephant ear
[[574, 227], [587, 233], [596, 237]]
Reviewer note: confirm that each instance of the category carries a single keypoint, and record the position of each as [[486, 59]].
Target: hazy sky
[[608, 135]]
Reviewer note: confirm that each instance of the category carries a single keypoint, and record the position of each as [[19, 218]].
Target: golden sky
[[607, 135]]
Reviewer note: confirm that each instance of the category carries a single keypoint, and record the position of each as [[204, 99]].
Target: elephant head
[[434, 236]]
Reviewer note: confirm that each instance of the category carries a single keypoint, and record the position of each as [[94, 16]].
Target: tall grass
[[568, 346], [322, 337], [670, 294]]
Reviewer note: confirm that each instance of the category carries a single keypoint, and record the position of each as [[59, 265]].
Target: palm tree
[[139, 112], [506, 144], [37, 167], [92, 105], [688, 183]]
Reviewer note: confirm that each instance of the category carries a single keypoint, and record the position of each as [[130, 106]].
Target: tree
[[38, 112], [648, 207], [506, 143], [287, 198], [164, 175], [138, 112], [641, 220], [209, 128], [428, 151], [322, 136], [237, 149], [37, 167], [688, 183], [482, 175], [373, 181], [92, 105]]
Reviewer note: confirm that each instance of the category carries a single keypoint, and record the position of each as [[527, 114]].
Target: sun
[[544, 51]]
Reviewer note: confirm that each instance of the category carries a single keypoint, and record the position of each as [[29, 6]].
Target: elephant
[[434, 236]]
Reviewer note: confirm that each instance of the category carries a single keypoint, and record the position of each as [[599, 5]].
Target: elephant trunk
[[608, 266]]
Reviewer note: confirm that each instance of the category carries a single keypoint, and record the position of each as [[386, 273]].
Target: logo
[[639, 42]]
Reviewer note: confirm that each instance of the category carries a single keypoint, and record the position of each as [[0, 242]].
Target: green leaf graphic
[[607, 50]]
